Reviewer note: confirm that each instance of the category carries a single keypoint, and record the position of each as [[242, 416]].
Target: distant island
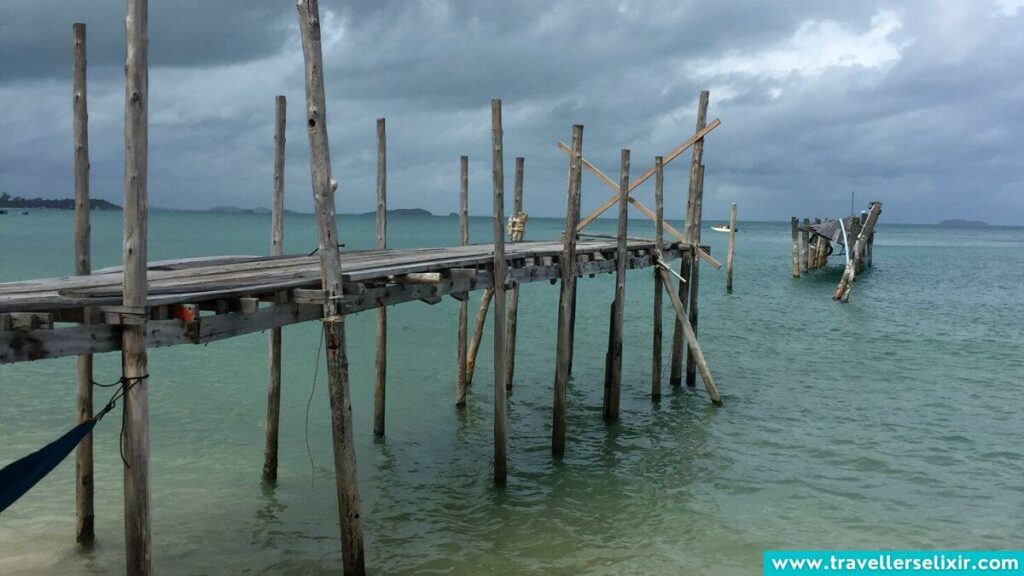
[[237, 210], [401, 212], [8, 201], [963, 224]]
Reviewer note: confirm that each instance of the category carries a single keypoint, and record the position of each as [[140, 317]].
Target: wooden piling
[[694, 286], [135, 438], [330, 270], [567, 271], [513, 296], [461, 360], [676, 374], [732, 248], [849, 273], [613, 384], [380, 383], [691, 338], [859, 258], [795, 238], [818, 248], [85, 533], [805, 245], [478, 334], [659, 240], [276, 249], [498, 173]]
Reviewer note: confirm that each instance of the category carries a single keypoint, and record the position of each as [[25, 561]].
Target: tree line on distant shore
[[8, 201]]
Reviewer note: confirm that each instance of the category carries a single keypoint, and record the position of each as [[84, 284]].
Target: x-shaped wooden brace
[[640, 180]]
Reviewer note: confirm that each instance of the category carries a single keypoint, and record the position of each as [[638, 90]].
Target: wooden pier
[[812, 244], [191, 301]]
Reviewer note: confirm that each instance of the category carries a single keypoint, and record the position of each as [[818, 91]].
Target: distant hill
[[401, 212], [963, 224], [237, 210], [8, 201]]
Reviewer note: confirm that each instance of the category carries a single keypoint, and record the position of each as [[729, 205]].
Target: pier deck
[[201, 300]]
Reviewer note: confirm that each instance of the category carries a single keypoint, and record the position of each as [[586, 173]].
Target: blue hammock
[[20, 476]]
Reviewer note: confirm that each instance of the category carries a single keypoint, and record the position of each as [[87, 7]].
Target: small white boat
[[722, 228]]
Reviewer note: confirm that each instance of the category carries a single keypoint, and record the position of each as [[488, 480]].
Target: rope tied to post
[[517, 226], [124, 384], [20, 476]]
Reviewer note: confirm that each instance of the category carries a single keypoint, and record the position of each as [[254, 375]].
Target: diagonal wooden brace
[[639, 205], [640, 179]]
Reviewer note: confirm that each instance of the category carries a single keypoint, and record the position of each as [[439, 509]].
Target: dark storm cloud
[[916, 104]]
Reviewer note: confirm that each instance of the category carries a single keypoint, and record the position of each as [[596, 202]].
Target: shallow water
[[889, 422]]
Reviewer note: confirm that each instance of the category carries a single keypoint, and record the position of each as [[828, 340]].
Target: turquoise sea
[[891, 422]]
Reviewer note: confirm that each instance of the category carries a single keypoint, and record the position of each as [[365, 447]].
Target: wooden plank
[[85, 518], [499, 269], [461, 369], [613, 381], [381, 363], [567, 263], [353, 555], [135, 423], [276, 249]]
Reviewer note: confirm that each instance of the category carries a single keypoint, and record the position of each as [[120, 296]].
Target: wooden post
[[795, 238], [869, 250], [732, 248], [85, 533], [461, 368], [613, 383], [498, 173], [513, 304], [478, 334], [692, 345], [380, 384], [567, 271], [849, 273], [860, 257], [817, 248], [276, 249], [330, 272], [659, 239], [805, 245], [135, 439], [698, 213], [676, 374]]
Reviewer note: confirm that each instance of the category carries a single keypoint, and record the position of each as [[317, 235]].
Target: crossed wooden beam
[[640, 180]]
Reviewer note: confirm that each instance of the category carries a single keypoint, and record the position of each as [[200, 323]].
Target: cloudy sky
[[917, 104]]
